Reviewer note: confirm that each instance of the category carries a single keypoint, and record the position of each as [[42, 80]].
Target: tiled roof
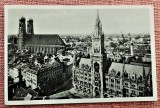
[[118, 67], [129, 68], [85, 61], [55, 64], [44, 39], [32, 92], [21, 92]]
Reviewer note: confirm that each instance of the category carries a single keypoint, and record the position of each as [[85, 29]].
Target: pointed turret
[[98, 58], [98, 26]]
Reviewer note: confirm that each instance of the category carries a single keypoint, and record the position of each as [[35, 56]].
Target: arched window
[[97, 91], [96, 83], [96, 67]]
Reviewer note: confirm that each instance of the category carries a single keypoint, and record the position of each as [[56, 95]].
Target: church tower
[[22, 33], [30, 30], [97, 58]]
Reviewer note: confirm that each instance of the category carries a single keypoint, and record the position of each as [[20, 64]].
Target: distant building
[[116, 56], [35, 42]]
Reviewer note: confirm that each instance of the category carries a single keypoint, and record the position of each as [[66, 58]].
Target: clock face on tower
[[96, 48]]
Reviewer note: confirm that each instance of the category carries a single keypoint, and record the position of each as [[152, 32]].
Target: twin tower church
[[26, 39]]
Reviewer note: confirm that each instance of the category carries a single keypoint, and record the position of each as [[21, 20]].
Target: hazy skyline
[[81, 21]]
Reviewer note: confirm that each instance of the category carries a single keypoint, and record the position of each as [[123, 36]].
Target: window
[[106, 79], [133, 92], [118, 92], [127, 91], [126, 84], [96, 83], [111, 91], [106, 84], [112, 85], [118, 87], [140, 88], [127, 95], [112, 80], [118, 82], [140, 94], [133, 86]]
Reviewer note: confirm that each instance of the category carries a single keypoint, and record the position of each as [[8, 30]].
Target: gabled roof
[[44, 39], [21, 92], [85, 61], [117, 67], [129, 68], [136, 69]]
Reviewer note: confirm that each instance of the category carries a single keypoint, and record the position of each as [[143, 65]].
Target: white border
[[92, 100]]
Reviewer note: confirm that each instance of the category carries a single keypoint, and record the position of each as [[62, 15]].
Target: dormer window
[[118, 74]]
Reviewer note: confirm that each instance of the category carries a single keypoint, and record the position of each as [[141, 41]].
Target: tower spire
[[98, 25], [97, 14], [98, 19]]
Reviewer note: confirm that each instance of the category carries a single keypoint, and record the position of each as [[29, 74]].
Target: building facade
[[127, 80], [46, 78]]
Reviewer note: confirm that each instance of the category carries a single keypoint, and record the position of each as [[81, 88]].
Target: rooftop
[[85, 61], [129, 68], [45, 39]]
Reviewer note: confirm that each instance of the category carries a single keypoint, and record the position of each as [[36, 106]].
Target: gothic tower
[[22, 33], [97, 58], [30, 30]]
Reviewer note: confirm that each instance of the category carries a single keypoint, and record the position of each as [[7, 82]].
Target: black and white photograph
[[79, 54]]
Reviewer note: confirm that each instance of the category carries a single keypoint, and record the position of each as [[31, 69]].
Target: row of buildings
[[43, 78]]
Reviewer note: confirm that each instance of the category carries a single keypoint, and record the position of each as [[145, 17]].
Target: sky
[[81, 21]]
